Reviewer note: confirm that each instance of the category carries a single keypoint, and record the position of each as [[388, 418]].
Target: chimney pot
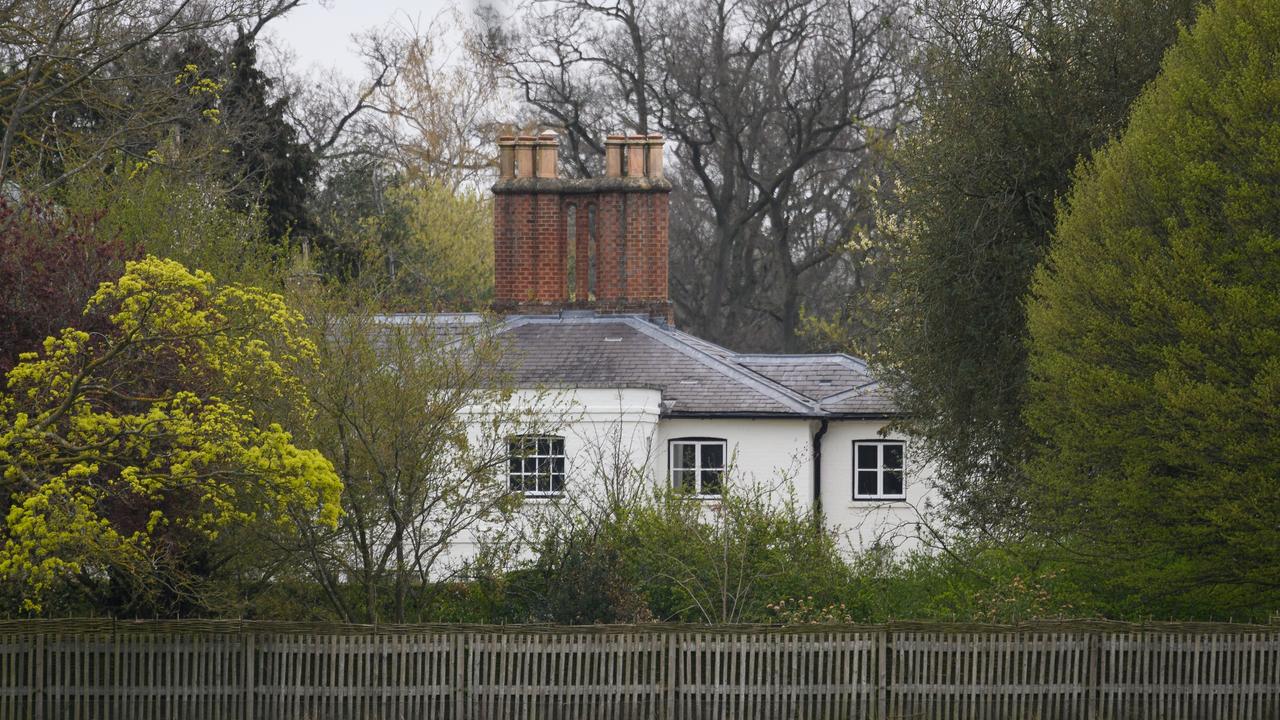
[[654, 147], [548, 143], [613, 155], [635, 155], [506, 157], [524, 156]]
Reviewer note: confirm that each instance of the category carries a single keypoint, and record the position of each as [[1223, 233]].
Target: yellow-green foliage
[[453, 232], [432, 247], [114, 448], [180, 218]]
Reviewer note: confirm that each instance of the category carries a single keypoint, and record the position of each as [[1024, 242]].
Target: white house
[[581, 290]]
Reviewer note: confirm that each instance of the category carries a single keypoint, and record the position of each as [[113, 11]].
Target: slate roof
[[817, 376], [696, 377]]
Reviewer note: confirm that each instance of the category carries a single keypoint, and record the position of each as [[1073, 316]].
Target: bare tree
[[777, 109], [415, 135], [416, 418], [424, 109], [439, 116], [334, 113]]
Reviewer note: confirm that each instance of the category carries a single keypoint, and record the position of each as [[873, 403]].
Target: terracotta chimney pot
[[548, 143], [613, 155], [506, 157], [635, 156], [654, 146], [524, 156]]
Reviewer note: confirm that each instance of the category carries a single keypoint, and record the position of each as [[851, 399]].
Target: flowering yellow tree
[[123, 449]]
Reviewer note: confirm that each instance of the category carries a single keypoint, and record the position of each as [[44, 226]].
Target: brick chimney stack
[[591, 243]]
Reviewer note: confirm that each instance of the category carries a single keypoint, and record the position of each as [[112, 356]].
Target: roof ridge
[[700, 341], [746, 375], [848, 393], [815, 356]]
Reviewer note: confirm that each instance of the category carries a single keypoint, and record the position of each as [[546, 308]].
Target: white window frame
[[699, 443], [879, 469], [538, 479]]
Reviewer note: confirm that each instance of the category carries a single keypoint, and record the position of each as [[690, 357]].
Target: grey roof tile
[[815, 376], [871, 400], [577, 353], [695, 377]]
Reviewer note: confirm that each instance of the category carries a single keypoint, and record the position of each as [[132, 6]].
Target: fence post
[[882, 686], [250, 680], [115, 667], [1092, 696], [459, 676], [671, 674], [37, 679]]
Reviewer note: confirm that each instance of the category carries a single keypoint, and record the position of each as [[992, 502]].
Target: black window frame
[[518, 480], [880, 469], [698, 469]]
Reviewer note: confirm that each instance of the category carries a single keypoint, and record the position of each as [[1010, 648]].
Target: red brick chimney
[[592, 243]]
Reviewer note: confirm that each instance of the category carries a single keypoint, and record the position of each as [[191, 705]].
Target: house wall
[[609, 441], [616, 442], [863, 522], [768, 454], [609, 437]]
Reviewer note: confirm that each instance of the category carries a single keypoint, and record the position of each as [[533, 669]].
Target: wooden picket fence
[[225, 670]]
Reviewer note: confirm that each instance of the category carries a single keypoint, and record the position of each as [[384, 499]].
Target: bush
[[971, 582], [673, 557]]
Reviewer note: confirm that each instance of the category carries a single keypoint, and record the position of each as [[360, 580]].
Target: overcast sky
[[320, 34]]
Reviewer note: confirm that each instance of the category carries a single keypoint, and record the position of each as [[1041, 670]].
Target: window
[[536, 464], [697, 465], [877, 470]]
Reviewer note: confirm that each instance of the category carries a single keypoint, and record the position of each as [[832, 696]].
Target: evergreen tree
[[1155, 334], [1012, 97], [270, 166]]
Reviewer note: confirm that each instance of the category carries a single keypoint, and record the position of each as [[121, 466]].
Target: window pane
[[685, 479], [713, 456], [893, 456], [892, 482], [535, 464], [867, 457], [710, 482], [867, 482], [683, 455]]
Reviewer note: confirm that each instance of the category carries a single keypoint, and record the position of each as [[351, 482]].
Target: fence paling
[[211, 669]]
